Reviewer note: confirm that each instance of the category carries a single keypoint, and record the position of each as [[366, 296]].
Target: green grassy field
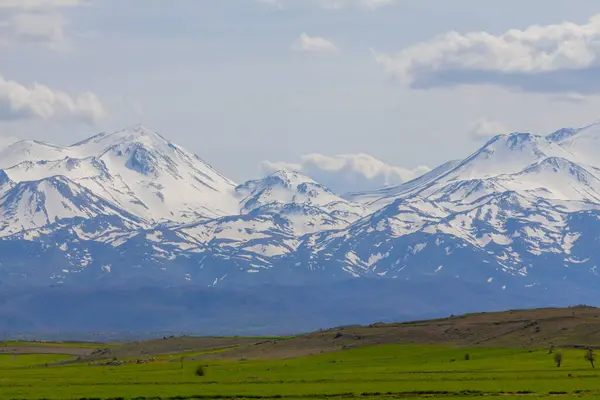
[[392, 371], [10, 361]]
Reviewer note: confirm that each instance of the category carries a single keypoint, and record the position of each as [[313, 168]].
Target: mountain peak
[[282, 180], [558, 165], [520, 138], [287, 178], [138, 134], [507, 154], [140, 130], [514, 141], [284, 187], [135, 168]]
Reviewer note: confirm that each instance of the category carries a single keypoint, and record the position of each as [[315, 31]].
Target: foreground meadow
[[389, 371]]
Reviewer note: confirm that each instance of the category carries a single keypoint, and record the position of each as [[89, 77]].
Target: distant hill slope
[[574, 327], [537, 328]]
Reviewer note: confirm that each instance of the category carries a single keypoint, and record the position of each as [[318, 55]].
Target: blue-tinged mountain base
[[111, 313]]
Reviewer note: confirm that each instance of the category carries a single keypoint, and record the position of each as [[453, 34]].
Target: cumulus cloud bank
[[37, 4], [19, 102], [348, 172], [35, 21], [552, 58], [313, 44], [38, 28]]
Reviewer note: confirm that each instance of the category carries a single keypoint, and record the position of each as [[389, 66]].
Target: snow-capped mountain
[[36, 204], [129, 206], [136, 169], [505, 215], [307, 205]]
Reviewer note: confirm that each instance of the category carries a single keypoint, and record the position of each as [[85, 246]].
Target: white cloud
[[38, 28], [483, 129], [528, 59], [35, 21], [341, 4], [273, 166], [18, 102], [330, 4], [313, 44], [273, 3], [37, 4], [348, 172]]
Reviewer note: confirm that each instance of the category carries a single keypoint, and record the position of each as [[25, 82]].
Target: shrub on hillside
[[200, 370], [590, 356], [558, 357]]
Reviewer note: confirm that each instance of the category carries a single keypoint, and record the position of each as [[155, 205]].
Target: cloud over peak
[[348, 172], [551, 58], [483, 129]]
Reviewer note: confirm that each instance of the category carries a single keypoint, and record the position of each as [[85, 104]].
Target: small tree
[[467, 357], [590, 356], [200, 371], [558, 357]]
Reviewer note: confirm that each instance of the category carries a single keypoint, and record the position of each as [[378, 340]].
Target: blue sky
[[357, 93]]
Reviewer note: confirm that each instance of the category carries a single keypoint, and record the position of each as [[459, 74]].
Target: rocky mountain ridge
[[130, 207]]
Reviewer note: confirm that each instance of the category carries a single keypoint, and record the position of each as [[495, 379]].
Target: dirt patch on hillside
[[567, 327], [571, 327], [22, 350], [170, 346]]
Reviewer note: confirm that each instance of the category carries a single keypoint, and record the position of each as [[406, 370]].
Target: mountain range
[[131, 209]]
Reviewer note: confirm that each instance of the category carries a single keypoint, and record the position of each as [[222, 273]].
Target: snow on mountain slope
[[505, 215], [306, 205], [30, 205], [380, 198], [556, 178], [5, 182], [562, 134], [505, 154], [283, 187], [529, 164], [507, 240], [583, 143], [502, 155], [262, 235], [30, 150], [135, 168], [522, 210]]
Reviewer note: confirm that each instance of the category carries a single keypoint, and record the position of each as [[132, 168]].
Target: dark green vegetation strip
[[403, 395]]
